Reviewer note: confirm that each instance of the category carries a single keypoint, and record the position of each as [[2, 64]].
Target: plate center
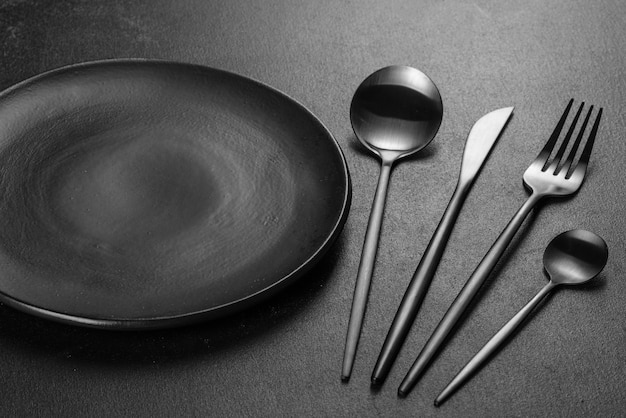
[[135, 193]]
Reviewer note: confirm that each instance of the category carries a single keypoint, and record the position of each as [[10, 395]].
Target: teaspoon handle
[[366, 268], [414, 295], [465, 296], [492, 345]]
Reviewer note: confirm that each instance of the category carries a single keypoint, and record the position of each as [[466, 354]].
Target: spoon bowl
[[575, 257], [395, 112], [397, 109]]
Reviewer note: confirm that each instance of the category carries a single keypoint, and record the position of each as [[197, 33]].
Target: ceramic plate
[[144, 194]]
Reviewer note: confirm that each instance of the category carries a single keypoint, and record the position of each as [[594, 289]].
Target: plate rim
[[215, 312]]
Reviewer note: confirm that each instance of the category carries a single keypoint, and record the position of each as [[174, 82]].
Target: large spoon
[[571, 258], [395, 112]]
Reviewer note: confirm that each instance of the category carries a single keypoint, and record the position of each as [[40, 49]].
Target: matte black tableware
[[143, 194], [561, 175]]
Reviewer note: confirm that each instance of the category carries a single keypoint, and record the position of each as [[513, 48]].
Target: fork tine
[[570, 158], [581, 166], [556, 166], [547, 149]]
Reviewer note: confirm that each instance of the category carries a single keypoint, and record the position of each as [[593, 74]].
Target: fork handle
[[493, 345], [465, 296]]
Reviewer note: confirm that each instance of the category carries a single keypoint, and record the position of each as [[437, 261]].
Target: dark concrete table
[[283, 358]]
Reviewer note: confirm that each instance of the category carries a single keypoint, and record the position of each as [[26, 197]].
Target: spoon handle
[[366, 268], [492, 345], [465, 296]]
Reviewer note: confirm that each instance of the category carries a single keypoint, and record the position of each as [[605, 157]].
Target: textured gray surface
[[283, 358]]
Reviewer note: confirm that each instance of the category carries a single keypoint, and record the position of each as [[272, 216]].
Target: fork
[[544, 177]]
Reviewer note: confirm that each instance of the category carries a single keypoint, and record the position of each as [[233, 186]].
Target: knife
[[480, 141]]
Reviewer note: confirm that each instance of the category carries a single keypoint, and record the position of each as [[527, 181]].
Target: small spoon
[[571, 258], [395, 112]]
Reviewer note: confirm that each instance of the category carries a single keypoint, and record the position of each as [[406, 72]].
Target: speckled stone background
[[283, 358]]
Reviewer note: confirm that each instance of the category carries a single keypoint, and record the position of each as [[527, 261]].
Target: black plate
[[144, 194]]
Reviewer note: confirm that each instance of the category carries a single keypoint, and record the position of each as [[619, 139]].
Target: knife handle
[[414, 295]]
